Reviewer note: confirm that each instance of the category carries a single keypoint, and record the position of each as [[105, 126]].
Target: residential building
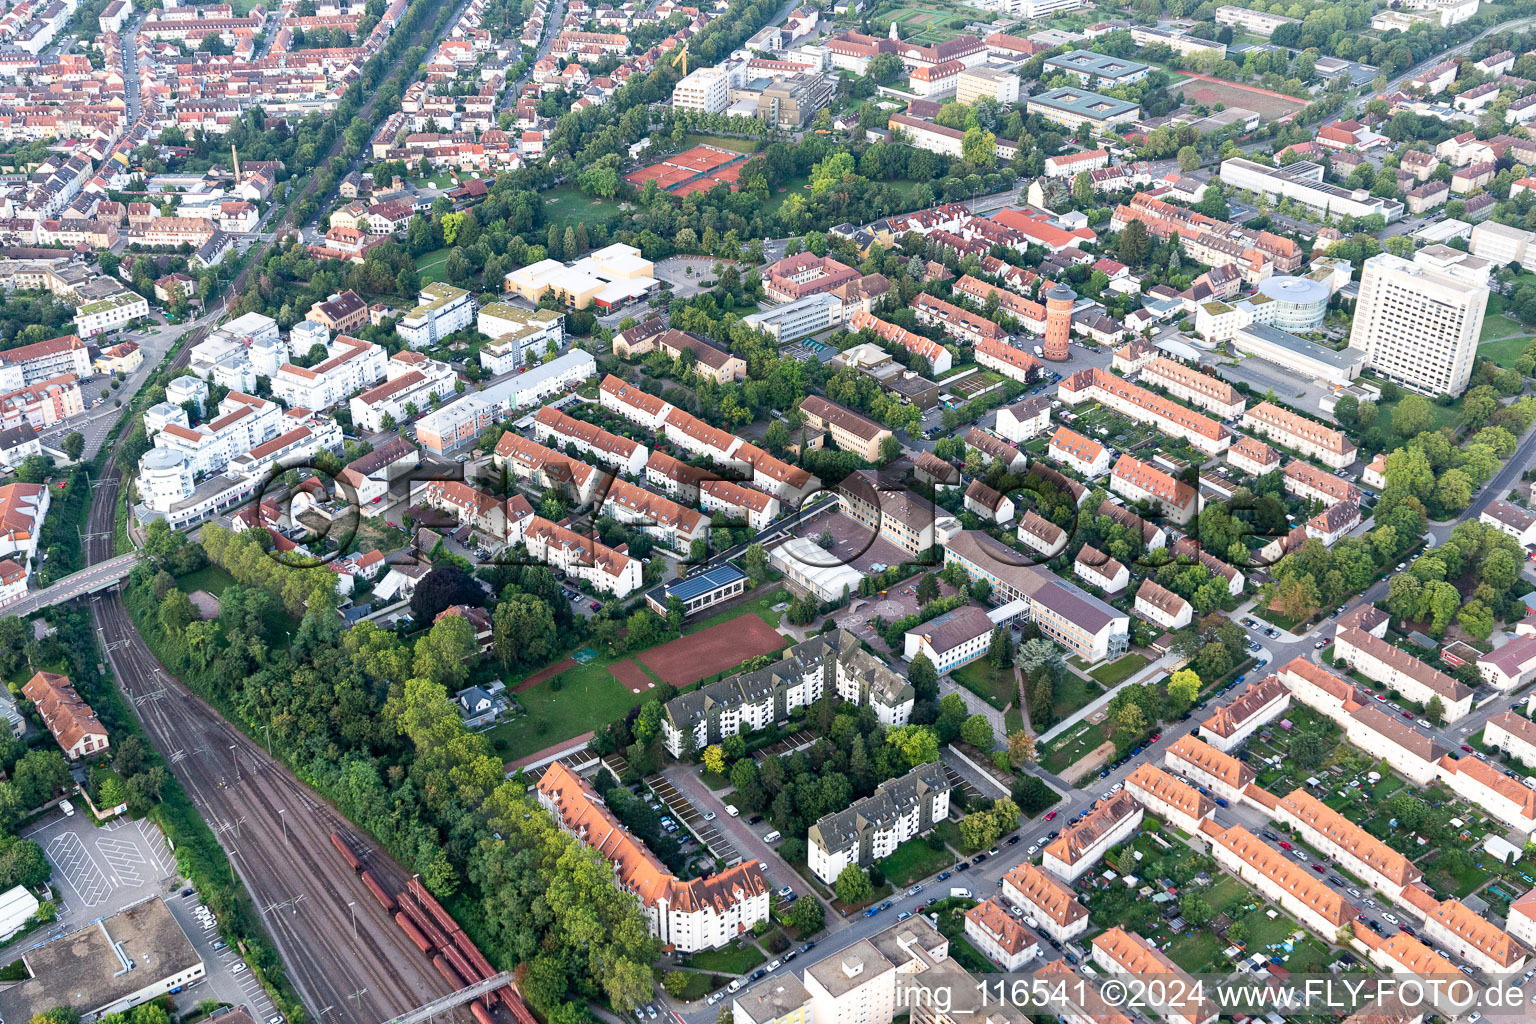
[[546, 467], [1305, 480], [704, 913], [1332, 448], [111, 313], [442, 309], [939, 360], [1220, 773], [1118, 951], [1454, 926], [1093, 69], [1190, 385], [1053, 906], [1491, 790], [850, 431], [460, 421], [1007, 359], [1139, 404], [750, 506], [351, 364], [706, 90], [1161, 606], [414, 383], [997, 935], [1024, 419], [44, 360], [1260, 703], [519, 336], [70, 719], [709, 360], [1514, 734], [1298, 890], [1396, 669], [551, 426], [1507, 517], [872, 827], [1039, 533], [1083, 454], [908, 520], [673, 526], [1418, 322], [1138, 481], [1169, 798], [1083, 843], [1346, 844], [855, 986], [340, 314], [1098, 569], [749, 701], [609, 571]]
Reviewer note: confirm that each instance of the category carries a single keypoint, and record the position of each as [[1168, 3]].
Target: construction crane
[[682, 56]]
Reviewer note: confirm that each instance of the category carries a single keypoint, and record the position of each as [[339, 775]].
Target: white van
[[960, 893], [67, 807], [731, 810], [772, 837]]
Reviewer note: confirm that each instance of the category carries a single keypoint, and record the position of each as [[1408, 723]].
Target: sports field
[[700, 655], [1210, 91], [924, 23]]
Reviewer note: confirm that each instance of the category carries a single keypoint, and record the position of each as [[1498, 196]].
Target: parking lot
[[101, 871], [692, 818]]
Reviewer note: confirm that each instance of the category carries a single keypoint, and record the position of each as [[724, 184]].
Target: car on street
[[1049, 815], [978, 858], [941, 876], [1389, 918], [903, 915], [915, 889], [1284, 845], [709, 815], [775, 966], [1014, 840], [807, 947], [786, 891]]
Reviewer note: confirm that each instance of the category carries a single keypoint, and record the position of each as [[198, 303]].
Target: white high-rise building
[[707, 90], [1418, 322]]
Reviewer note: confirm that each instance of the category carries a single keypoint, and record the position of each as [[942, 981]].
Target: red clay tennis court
[[691, 658]]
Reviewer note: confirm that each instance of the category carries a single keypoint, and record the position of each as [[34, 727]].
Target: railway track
[[349, 961]]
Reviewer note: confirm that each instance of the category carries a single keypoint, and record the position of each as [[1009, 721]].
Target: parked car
[[1049, 815]]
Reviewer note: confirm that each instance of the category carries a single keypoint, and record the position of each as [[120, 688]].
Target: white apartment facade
[[1418, 322], [352, 364]]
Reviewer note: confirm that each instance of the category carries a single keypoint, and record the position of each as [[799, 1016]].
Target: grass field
[[914, 859], [1269, 106], [737, 959], [1119, 671], [566, 205], [995, 686], [429, 265], [1504, 352], [1440, 415], [922, 22], [1071, 694], [1073, 745], [590, 697], [1499, 326], [735, 145], [1196, 951]]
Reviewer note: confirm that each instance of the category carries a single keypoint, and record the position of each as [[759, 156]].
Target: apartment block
[[1332, 448], [1118, 951], [1168, 797], [1346, 844], [1161, 606], [609, 571], [442, 309], [1136, 481], [1396, 669], [1142, 405], [1083, 843], [551, 426], [994, 932], [1218, 772], [1303, 894], [1053, 906], [749, 701], [1260, 703], [871, 828], [908, 520], [1207, 391], [352, 364], [1083, 454], [1418, 322]]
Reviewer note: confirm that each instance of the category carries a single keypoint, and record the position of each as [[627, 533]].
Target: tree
[[923, 677], [1021, 747], [1184, 687], [1435, 710], [74, 445], [1189, 158], [1133, 244], [676, 983], [1412, 416], [852, 885], [714, 759], [755, 561], [918, 744], [1082, 189], [1308, 749], [1194, 908], [977, 731], [978, 147], [928, 588], [442, 587], [806, 915]]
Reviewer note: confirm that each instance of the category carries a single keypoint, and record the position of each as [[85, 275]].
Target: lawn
[[1498, 326], [589, 696], [1227, 893], [429, 265], [721, 142], [566, 206], [737, 959], [994, 685], [914, 860], [1465, 881], [792, 187], [1070, 748], [1119, 671], [1440, 415], [1504, 352], [1195, 951], [1072, 694]]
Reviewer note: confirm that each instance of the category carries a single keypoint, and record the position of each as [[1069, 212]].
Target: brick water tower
[[1058, 322]]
